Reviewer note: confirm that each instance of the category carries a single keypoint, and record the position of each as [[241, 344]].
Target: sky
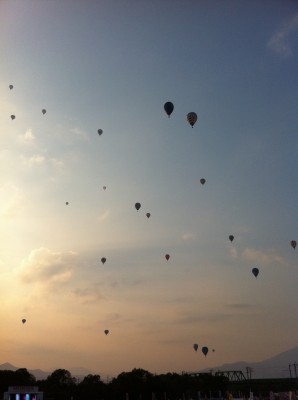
[[112, 65]]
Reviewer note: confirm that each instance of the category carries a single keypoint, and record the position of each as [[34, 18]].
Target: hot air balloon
[[205, 350], [169, 107], [23, 320], [106, 331], [67, 203], [167, 256], [138, 206], [293, 244], [43, 111], [99, 132], [103, 260], [148, 215], [231, 237], [10, 87], [196, 346], [104, 187], [213, 350], [255, 271], [192, 118], [12, 117], [203, 181]]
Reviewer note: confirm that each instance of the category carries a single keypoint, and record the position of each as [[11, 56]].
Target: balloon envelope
[[169, 107], [138, 206], [148, 215], [106, 331], [231, 237], [23, 320], [293, 243], [104, 187], [255, 271], [103, 260], [67, 203], [167, 256], [196, 346], [205, 350], [12, 116], [10, 87], [203, 181], [99, 132], [44, 111], [192, 118]]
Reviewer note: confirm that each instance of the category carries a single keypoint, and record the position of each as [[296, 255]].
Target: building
[[23, 393]]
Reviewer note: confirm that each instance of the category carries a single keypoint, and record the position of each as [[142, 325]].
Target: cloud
[[47, 268], [280, 41], [104, 216], [80, 134], [33, 161], [27, 138], [264, 257], [88, 294], [188, 236], [11, 200]]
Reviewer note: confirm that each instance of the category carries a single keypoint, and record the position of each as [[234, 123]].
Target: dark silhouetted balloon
[[167, 256], [203, 181], [104, 187], [196, 346], [148, 215], [231, 237], [205, 350], [12, 117], [255, 271], [43, 111], [67, 203], [293, 244], [10, 87], [138, 206], [103, 260], [169, 107], [99, 132], [23, 320], [106, 331], [192, 118]]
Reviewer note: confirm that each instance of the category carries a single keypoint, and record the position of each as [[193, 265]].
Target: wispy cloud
[[262, 257], [104, 216], [188, 236], [280, 41], [27, 138], [80, 134], [32, 161], [89, 295]]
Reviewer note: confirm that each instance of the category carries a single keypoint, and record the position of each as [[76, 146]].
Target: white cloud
[[33, 161], [280, 41], [188, 236], [47, 268], [264, 257], [27, 138]]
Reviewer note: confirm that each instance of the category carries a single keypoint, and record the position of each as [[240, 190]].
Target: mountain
[[76, 372], [275, 367]]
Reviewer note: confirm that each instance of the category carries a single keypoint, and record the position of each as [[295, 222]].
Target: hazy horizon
[[68, 194]]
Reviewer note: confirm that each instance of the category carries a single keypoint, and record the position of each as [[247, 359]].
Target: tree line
[[139, 384]]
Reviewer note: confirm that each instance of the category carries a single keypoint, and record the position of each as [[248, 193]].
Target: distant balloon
[[103, 260], [23, 320], [205, 350], [12, 117], [255, 271], [231, 237], [10, 87], [67, 203], [169, 107], [213, 350], [43, 111], [138, 206], [293, 244], [167, 256], [203, 181], [192, 118], [104, 187], [148, 215], [196, 346], [106, 331], [99, 132]]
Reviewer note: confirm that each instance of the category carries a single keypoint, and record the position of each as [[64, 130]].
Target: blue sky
[[112, 66]]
